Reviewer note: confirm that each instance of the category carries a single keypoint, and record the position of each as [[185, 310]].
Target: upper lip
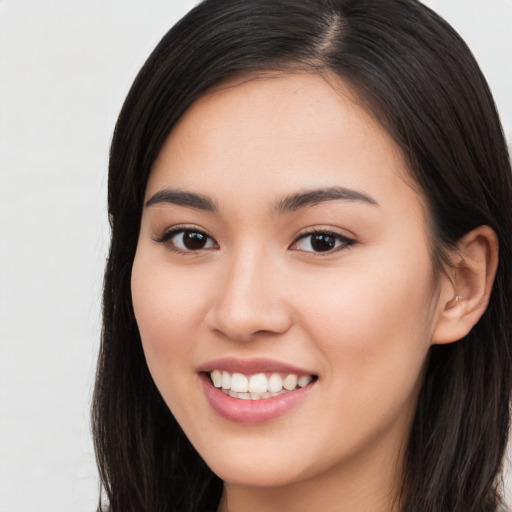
[[252, 366]]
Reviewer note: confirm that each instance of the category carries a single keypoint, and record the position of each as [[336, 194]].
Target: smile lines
[[257, 386]]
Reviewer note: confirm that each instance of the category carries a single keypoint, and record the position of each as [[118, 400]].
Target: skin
[[361, 317]]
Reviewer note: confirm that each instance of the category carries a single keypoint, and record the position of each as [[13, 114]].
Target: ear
[[466, 290]]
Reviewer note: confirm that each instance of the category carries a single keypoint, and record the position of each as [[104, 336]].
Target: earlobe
[[465, 297]]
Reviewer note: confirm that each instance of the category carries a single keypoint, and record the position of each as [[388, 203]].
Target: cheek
[[373, 326], [167, 309]]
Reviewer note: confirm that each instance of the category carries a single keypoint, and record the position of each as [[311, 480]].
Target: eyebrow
[[182, 198], [289, 204], [312, 197]]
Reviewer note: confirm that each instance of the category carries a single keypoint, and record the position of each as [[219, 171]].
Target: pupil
[[322, 243], [193, 240]]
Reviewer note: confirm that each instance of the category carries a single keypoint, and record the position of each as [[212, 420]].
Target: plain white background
[[65, 68]]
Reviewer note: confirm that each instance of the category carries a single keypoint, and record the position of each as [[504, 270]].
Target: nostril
[[247, 322]]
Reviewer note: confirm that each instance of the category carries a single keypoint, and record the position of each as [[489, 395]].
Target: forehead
[[311, 130]]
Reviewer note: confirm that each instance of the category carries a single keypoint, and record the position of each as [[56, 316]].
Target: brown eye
[[188, 240], [321, 242], [194, 240]]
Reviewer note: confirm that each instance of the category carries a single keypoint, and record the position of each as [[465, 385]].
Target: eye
[[321, 242], [187, 240]]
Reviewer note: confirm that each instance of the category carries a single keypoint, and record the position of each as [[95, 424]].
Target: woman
[[307, 299]]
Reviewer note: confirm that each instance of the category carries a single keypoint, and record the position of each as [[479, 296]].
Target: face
[[283, 285]]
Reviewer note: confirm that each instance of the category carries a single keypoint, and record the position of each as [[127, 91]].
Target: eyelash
[[166, 239]]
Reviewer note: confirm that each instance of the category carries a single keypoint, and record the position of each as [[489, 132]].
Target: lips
[[256, 390], [251, 366]]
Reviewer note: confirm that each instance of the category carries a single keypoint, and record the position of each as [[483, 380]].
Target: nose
[[250, 300]]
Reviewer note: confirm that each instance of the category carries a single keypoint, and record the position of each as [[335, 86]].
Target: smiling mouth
[[258, 386]]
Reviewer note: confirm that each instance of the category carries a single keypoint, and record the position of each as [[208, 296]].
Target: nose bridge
[[249, 299]]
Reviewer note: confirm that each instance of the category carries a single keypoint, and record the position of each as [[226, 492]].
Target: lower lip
[[251, 411]]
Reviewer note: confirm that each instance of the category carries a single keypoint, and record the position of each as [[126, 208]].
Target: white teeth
[[226, 380], [217, 378], [275, 383], [258, 383], [290, 382], [239, 383], [257, 386], [304, 380]]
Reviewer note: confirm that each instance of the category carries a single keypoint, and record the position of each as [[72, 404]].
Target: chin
[[251, 475]]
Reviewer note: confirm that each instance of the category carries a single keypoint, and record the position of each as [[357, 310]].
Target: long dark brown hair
[[420, 81]]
